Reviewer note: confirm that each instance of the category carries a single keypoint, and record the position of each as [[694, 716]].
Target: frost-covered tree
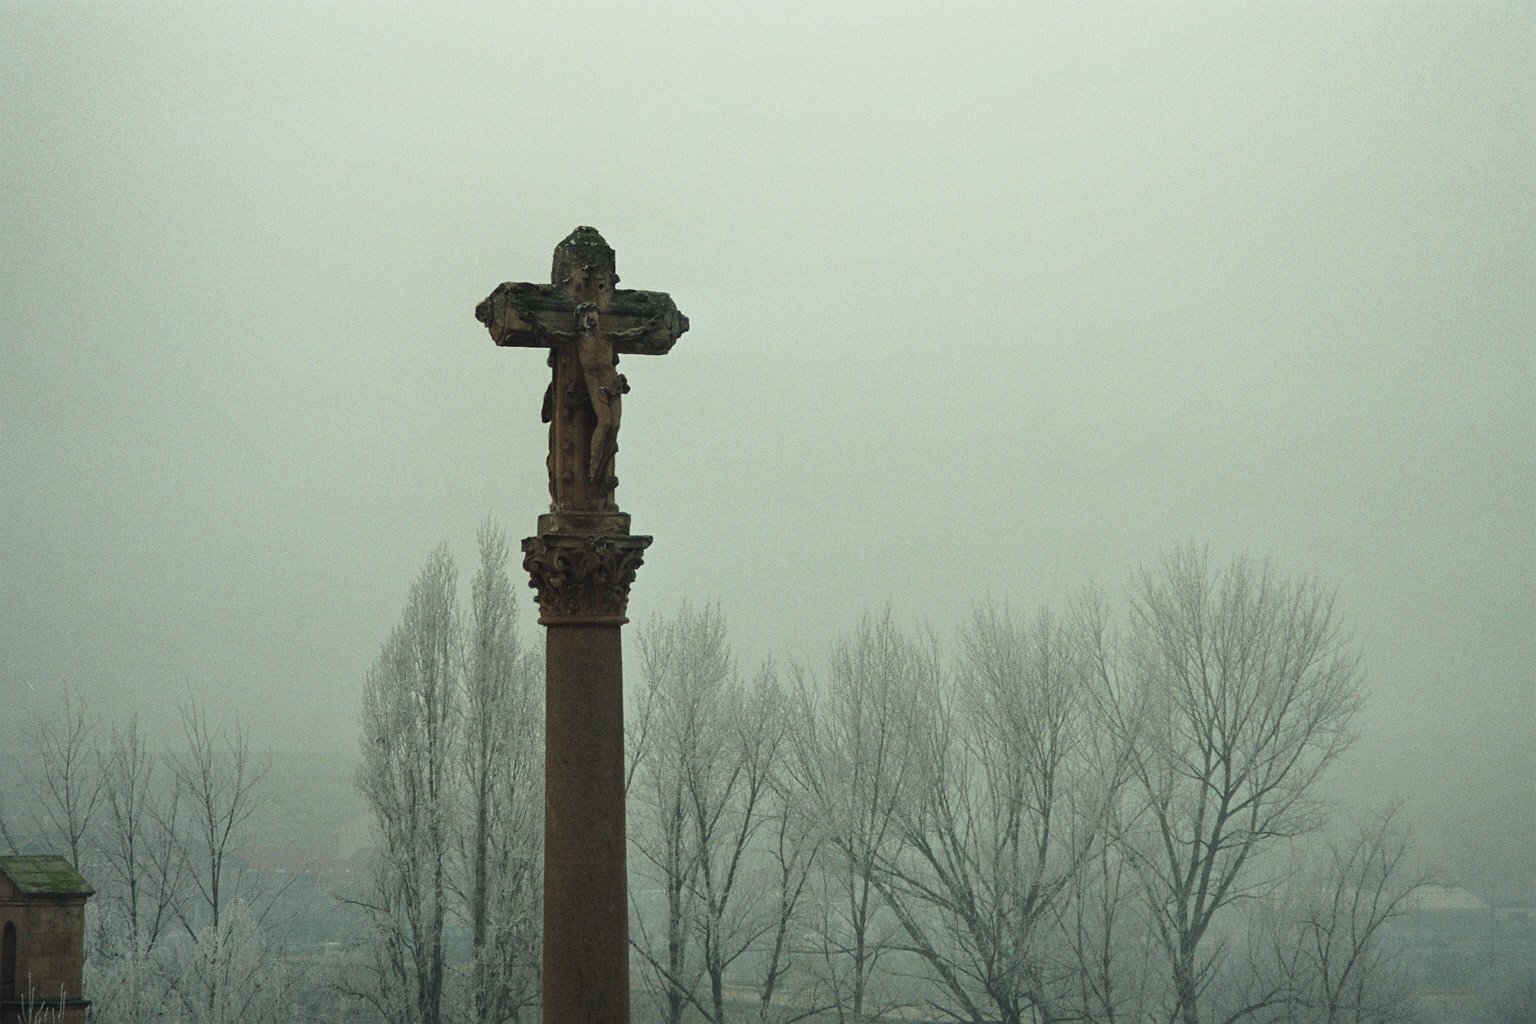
[[714, 830], [499, 796], [676, 734], [452, 773], [1234, 691], [853, 764], [227, 973], [168, 853], [218, 780], [1006, 805], [142, 860], [411, 706], [143, 866]]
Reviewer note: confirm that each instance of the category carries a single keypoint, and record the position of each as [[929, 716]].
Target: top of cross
[[538, 315]]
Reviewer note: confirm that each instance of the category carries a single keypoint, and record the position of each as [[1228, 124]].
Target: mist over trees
[[1078, 279], [1091, 813], [1081, 815]]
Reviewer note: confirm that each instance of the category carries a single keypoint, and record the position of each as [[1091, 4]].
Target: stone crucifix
[[587, 323], [582, 562]]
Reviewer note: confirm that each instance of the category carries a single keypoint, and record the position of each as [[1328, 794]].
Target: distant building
[[42, 940], [1452, 920], [1471, 962]]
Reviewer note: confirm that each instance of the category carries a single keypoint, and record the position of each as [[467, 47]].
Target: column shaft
[[586, 898]]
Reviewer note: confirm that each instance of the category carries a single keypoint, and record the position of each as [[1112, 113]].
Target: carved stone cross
[[582, 562], [587, 323]]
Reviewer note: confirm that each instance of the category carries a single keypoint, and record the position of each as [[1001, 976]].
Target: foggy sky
[[992, 302]]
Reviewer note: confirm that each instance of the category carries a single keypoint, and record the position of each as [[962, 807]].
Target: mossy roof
[[45, 875]]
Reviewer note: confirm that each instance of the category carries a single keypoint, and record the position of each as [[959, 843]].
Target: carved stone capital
[[583, 579]]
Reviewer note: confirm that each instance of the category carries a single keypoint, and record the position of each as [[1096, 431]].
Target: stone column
[[582, 561], [582, 565]]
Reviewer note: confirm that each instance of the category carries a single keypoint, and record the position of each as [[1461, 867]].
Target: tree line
[[1094, 813]]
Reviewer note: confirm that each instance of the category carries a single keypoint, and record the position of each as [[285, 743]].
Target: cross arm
[[537, 315]]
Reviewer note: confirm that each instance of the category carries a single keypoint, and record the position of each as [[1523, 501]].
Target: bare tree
[[501, 796], [1007, 804], [714, 831], [1237, 692], [788, 845], [61, 775], [217, 778], [852, 764], [746, 892], [1103, 927], [140, 853], [674, 743], [1103, 923], [1330, 933], [143, 862], [410, 729]]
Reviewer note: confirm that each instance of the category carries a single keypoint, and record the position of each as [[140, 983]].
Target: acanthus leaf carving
[[583, 579]]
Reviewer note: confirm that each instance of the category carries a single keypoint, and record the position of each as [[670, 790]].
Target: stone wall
[[50, 952]]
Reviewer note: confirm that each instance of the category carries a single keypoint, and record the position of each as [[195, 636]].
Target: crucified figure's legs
[[604, 433]]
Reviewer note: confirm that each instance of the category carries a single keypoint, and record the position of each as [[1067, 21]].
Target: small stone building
[[42, 940]]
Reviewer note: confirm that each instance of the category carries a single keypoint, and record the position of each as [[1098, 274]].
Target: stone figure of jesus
[[605, 384]]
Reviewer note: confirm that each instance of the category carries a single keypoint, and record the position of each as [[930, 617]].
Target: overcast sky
[[986, 301]]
